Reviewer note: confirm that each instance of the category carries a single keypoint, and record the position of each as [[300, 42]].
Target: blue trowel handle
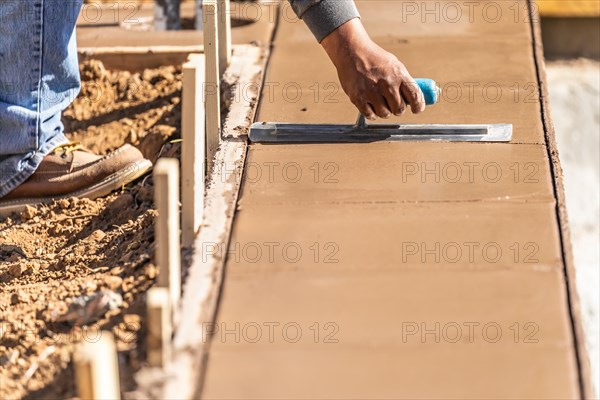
[[430, 90]]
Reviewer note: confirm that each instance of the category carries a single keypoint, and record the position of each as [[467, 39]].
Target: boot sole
[[100, 189]]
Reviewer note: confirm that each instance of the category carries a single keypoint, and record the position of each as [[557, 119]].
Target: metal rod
[[305, 133]]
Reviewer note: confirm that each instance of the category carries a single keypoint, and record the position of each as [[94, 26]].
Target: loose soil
[[53, 254]]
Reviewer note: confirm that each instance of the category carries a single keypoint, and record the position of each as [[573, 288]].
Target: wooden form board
[[96, 367], [193, 156], [568, 8], [160, 328], [212, 87], [224, 28], [168, 248], [205, 274], [180, 378], [138, 58]]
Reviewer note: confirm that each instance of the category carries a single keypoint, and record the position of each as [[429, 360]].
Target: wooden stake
[[205, 273], [97, 368], [168, 252], [160, 328], [193, 156], [224, 29], [212, 87]]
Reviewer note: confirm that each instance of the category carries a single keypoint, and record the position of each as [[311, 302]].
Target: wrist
[[346, 41]]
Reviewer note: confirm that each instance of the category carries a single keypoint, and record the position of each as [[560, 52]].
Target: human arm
[[376, 82]]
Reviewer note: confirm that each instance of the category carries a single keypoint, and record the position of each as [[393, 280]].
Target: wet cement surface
[[398, 270]]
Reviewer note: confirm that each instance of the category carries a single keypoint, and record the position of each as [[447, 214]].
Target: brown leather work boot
[[73, 171]]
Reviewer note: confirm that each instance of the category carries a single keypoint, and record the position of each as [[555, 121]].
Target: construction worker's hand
[[374, 79]]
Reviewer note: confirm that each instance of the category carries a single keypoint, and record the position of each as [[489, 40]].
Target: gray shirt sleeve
[[324, 16]]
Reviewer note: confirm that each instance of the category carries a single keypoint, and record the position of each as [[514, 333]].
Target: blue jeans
[[39, 78]]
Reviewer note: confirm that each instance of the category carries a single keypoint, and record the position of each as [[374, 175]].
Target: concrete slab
[[448, 18], [431, 335], [509, 62], [389, 242], [325, 103], [502, 90], [347, 372], [378, 236], [397, 20], [335, 174]]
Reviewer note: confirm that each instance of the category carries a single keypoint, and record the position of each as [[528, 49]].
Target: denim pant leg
[[39, 78]]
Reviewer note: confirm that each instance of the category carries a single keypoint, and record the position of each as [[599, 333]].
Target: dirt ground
[[52, 255]]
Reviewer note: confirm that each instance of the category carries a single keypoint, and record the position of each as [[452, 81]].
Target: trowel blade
[[277, 132]]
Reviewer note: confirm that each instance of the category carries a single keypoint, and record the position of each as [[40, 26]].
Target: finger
[[379, 105], [413, 95], [365, 109], [393, 98], [369, 113]]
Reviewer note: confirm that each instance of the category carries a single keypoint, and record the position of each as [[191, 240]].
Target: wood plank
[[146, 50], [193, 156], [180, 379], [205, 274], [168, 247], [224, 29], [138, 58], [97, 368], [212, 87], [568, 8], [160, 328]]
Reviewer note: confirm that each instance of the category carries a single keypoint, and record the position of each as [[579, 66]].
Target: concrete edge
[[182, 378], [583, 363]]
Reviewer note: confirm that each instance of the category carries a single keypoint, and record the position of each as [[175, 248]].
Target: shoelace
[[68, 148]]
